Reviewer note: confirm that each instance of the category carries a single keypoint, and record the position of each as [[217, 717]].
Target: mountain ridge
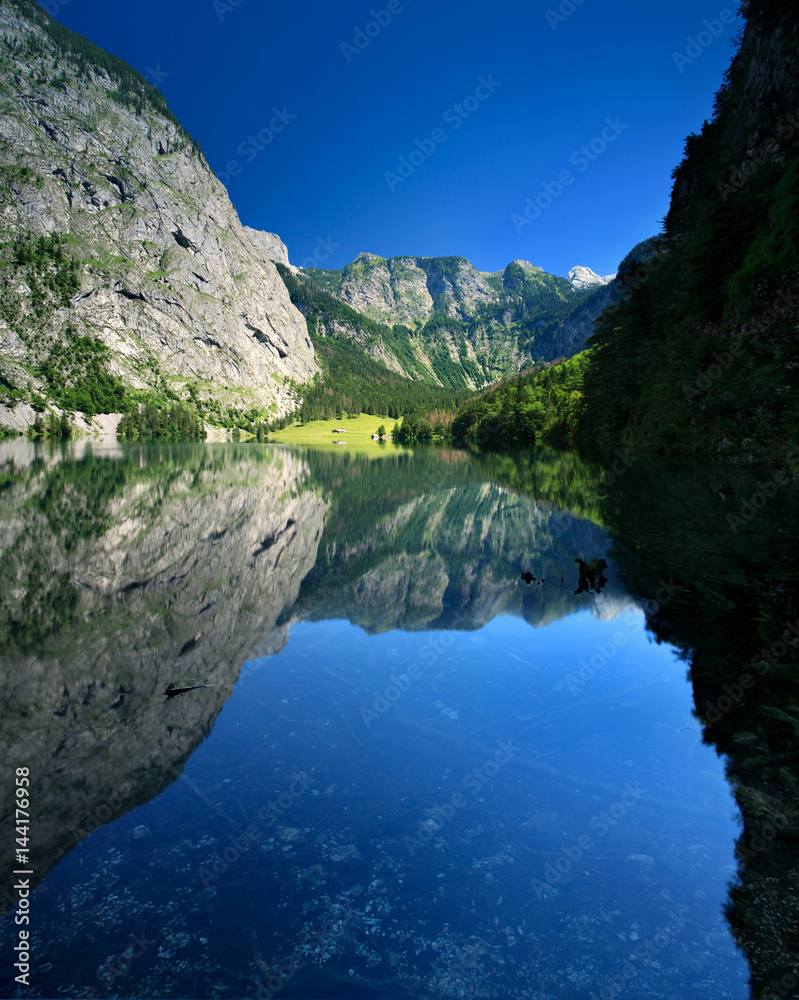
[[126, 275], [459, 326]]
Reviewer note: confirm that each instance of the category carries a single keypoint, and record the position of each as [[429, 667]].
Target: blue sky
[[489, 105]]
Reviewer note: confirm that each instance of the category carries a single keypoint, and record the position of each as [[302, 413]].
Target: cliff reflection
[[123, 575], [433, 541], [142, 568], [734, 613]]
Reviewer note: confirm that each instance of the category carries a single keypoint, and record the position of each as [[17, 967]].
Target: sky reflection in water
[[502, 811]]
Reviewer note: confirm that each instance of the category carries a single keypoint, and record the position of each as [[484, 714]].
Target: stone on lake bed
[[345, 852], [290, 834]]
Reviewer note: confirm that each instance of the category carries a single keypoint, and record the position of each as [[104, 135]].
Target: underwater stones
[[290, 834], [140, 832], [345, 853]]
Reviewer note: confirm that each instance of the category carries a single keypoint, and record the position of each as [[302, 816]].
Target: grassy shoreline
[[358, 431]]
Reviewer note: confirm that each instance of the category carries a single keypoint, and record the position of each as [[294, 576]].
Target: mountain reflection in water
[[393, 779]]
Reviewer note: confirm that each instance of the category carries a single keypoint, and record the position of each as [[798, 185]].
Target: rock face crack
[[124, 196], [264, 338], [272, 539], [49, 130], [128, 294], [209, 342], [184, 241]]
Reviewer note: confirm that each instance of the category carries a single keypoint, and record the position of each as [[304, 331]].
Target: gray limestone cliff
[[168, 278], [407, 289], [571, 336], [452, 324]]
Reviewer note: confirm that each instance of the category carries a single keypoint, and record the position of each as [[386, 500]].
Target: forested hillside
[[703, 354], [541, 406], [351, 382]]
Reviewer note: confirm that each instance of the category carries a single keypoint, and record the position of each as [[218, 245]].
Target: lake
[[318, 724]]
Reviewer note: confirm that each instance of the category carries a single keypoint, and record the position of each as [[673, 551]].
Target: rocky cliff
[[571, 336], [158, 265], [410, 289], [442, 320], [584, 277]]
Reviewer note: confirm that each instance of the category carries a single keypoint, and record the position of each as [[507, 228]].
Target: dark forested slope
[[702, 355]]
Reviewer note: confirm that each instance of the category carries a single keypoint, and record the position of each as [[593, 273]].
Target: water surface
[[412, 773]]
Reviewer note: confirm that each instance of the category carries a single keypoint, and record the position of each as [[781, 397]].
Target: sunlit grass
[[358, 432]]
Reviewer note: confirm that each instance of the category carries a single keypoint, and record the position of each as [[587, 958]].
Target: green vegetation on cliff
[[458, 326], [131, 88], [352, 381], [702, 355], [536, 407], [330, 318]]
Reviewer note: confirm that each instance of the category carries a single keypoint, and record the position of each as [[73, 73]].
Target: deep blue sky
[[223, 72]]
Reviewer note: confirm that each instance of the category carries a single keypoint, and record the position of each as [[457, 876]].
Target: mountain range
[[127, 277], [456, 325], [440, 320]]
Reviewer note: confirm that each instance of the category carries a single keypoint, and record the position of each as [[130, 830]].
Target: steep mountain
[[121, 255], [439, 319], [702, 356], [572, 335], [584, 277]]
